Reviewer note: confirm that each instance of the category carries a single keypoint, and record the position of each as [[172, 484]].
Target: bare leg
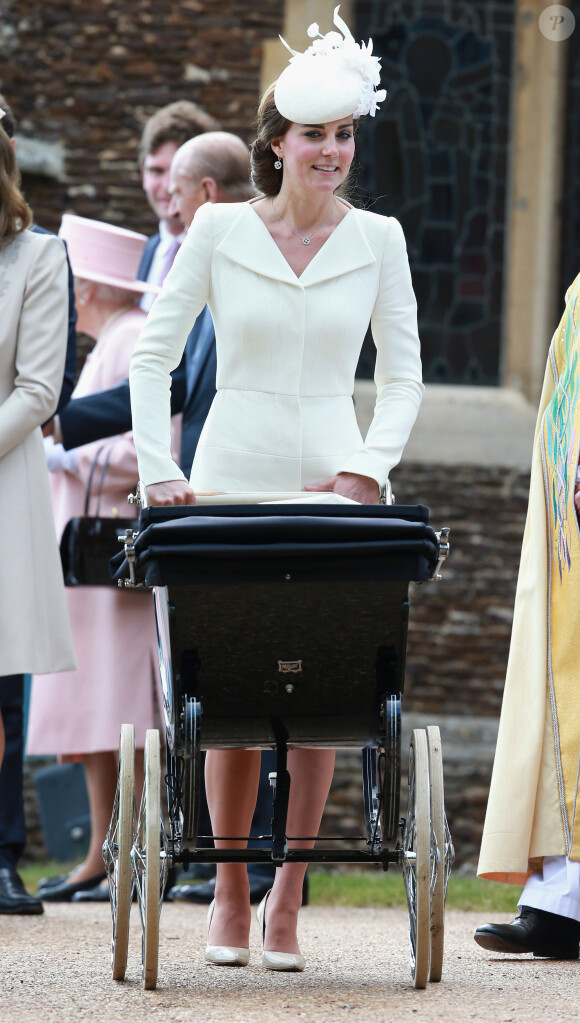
[[311, 773], [231, 785], [101, 778]]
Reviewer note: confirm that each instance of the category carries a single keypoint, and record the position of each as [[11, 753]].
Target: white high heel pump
[[224, 955], [291, 962]]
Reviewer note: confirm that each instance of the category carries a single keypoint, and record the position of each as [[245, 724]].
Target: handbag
[[90, 541]]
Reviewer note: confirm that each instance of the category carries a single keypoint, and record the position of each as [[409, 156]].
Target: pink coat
[[113, 630]]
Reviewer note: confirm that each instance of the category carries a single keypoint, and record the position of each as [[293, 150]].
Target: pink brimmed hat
[[104, 253]]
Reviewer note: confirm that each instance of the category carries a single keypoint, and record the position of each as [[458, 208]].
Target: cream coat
[[34, 628], [287, 350]]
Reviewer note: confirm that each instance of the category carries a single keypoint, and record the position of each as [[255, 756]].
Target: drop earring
[[278, 164]]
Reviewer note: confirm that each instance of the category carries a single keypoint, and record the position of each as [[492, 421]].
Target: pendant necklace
[[305, 238]]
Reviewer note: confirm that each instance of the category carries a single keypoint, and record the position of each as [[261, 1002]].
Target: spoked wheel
[[117, 852], [371, 796], [382, 778], [150, 860], [445, 848], [416, 859]]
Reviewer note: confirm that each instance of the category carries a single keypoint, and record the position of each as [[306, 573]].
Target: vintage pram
[[281, 624]]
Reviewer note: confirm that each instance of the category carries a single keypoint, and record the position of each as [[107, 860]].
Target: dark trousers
[[12, 825]]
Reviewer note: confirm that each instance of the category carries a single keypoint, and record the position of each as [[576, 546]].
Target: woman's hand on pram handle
[[172, 492], [349, 484]]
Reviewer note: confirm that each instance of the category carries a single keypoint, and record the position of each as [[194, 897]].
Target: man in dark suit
[[14, 899]]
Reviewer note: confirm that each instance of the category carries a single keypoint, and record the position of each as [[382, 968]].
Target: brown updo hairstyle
[[271, 125], [15, 213]]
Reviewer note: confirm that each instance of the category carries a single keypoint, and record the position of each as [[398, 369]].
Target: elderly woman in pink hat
[[79, 714]]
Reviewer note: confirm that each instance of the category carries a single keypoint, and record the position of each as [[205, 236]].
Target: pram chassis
[[357, 704]]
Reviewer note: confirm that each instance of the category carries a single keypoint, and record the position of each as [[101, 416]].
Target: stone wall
[[87, 74], [459, 627]]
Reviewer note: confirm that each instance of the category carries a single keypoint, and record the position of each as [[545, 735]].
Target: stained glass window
[[435, 157]]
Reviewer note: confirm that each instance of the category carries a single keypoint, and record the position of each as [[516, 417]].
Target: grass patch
[[370, 887], [386, 889], [32, 872]]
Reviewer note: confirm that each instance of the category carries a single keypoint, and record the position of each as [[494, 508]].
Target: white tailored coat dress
[[114, 630], [34, 627], [287, 350]]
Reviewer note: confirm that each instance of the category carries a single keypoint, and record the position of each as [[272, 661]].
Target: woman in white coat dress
[[292, 280]]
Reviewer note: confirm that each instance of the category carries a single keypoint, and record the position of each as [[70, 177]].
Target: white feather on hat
[[335, 77]]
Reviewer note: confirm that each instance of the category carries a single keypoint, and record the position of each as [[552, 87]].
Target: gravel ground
[[55, 969]]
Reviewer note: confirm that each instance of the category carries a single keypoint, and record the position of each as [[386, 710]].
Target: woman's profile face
[[317, 157]]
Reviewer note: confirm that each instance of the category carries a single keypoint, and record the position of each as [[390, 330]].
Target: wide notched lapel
[[346, 250], [249, 243]]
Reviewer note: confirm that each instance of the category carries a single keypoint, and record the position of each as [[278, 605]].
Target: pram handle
[[208, 497]]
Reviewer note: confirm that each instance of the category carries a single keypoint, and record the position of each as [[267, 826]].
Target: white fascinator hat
[[335, 77]]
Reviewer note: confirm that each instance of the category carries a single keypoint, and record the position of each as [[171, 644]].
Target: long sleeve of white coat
[[398, 366], [160, 347]]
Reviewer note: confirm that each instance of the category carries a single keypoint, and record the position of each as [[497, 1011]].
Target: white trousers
[[556, 889]]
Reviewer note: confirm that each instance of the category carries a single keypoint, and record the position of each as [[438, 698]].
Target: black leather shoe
[[50, 882], [100, 893], [205, 893], [199, 893], [546, 935], [64, 891], [14, 899]]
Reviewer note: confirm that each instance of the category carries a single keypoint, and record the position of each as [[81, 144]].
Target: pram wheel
[[149, 867], [117, 852], [445, 847], [381, 780], [416, 859]]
